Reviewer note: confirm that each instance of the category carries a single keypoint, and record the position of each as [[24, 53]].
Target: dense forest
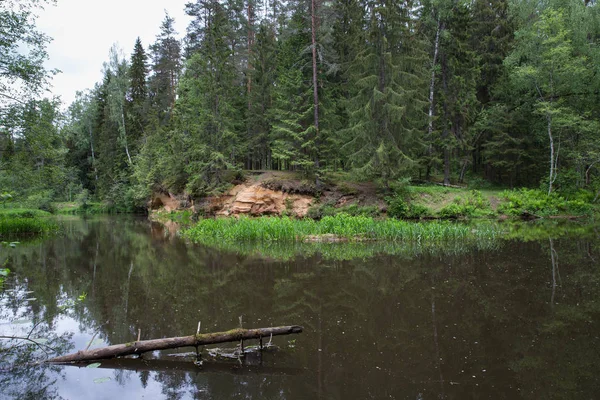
[[501, 92]]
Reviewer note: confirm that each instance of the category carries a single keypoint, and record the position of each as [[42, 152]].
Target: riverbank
[[288, 194]]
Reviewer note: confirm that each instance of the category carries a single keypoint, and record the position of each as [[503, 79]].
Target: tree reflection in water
[[499, 320]]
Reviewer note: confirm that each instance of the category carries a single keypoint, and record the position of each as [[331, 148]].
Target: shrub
[[41, 201], [418, 211], [472, 204], [329, 210], [397, 207]]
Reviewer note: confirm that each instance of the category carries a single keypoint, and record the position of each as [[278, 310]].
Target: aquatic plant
[[341, 226]]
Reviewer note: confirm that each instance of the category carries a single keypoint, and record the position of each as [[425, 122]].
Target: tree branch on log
[[140, 347], [27, 339]]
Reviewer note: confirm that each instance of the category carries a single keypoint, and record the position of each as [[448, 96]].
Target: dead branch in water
[[140, 347]]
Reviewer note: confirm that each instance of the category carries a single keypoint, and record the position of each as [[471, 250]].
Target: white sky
[[84, 30]]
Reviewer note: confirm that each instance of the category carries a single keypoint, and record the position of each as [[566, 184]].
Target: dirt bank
[[270, 193]]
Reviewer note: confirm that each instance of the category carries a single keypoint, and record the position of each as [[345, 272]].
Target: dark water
[[512, 321]]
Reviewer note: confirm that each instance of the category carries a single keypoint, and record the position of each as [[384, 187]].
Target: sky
[[84, 31]]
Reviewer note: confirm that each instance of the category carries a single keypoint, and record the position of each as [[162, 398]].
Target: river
[[513, 320]]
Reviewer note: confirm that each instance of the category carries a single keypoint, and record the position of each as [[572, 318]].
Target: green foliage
[[23, 213], [25, 222], [6, 198], [472, 204], [23, 52], [328, 210], [42, 200], [539, 203], [183, 217], [209, 231], [397, 207]]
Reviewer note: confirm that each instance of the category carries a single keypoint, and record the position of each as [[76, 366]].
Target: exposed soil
[[272, 193]]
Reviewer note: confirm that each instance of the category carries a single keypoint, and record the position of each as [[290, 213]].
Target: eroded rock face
[[166, 201], [257, 200]]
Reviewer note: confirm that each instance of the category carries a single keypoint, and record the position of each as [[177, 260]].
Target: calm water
[[517, 320]]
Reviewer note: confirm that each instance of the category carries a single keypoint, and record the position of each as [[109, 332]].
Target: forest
[[486, 92]]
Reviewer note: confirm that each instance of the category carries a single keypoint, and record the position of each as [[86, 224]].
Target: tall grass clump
[[275, 229], [17, 222]]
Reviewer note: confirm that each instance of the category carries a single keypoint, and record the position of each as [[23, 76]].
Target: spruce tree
[[138, 92], [166, 68], [388, 109]]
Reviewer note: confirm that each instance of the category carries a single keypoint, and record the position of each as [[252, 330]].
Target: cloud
[[84, 30]]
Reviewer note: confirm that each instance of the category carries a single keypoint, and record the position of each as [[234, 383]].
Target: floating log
[[201, 339]]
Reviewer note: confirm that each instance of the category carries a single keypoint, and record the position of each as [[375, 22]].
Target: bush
[[42, 201], [397, 207], [329, 210], [472, 204], [401, 188], [418, 211]]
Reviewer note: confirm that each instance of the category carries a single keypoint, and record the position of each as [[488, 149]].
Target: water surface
[[513, 320]]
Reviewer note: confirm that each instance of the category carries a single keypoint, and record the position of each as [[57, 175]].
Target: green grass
[[6, 213], [17, 222], [354, 228]]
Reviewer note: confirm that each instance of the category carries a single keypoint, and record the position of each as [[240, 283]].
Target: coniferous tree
[[384, 114], [166, 68], [138, 92], [209, 110]]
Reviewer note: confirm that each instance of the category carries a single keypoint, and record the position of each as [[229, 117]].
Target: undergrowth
[[539, 203]]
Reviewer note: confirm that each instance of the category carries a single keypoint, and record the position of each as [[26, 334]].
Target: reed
[[342, 226]]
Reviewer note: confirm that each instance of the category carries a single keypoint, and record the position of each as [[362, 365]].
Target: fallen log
[[201, 339]]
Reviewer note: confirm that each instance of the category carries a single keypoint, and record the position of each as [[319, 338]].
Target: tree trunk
[[436, 47], [445, 132], [119, 350], [93, 154], [552, 164], [313, 20], [125, 135]]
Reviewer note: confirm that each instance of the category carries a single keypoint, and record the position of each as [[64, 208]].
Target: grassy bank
[[446, 202], [341, 226], [16, 222], [83, 209]]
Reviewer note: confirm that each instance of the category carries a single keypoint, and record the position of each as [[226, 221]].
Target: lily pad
[[94, 365], [102, 380]]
